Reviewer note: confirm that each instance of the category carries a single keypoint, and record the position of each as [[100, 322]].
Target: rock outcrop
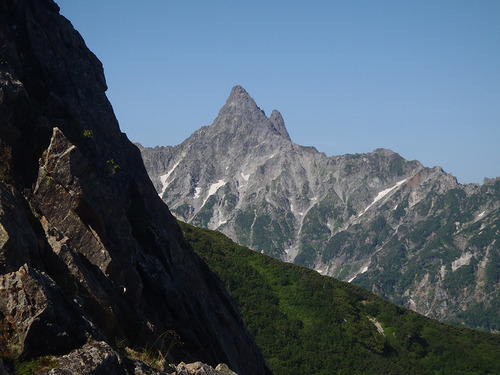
[[409, 233], [90, 258]]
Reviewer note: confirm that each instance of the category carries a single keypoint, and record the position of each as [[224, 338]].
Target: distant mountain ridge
[[409, 233]]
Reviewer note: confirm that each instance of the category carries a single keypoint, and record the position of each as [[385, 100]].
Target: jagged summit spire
[[278, 124], [241, 109], [238, 91], [240, 97]]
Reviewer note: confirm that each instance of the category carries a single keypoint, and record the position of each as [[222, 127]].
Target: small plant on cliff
[[112, 166], [87, 133], [160, 359], [155, 355]]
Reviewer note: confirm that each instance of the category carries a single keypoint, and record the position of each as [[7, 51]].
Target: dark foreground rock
[[88, 252]]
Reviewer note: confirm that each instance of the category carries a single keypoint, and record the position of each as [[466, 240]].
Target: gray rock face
[[88, 252], [98, 357], [93, 358], [198, 368], [375, 219], [36, 310]]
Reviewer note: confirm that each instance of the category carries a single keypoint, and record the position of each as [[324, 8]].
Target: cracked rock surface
[[90, 258]]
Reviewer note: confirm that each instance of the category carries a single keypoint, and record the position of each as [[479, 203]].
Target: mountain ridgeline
[[409, 233], [94, 270]]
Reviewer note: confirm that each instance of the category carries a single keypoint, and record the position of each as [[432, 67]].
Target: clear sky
[[421, 78]]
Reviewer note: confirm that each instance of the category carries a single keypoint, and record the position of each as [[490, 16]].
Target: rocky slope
[[404, 231], [91, 260]]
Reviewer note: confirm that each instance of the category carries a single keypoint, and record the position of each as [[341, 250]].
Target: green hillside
[[306, 323]]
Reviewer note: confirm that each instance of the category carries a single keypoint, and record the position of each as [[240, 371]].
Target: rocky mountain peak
[[384, 152], [239, 96], [241, 115], [278, 124], [241, 104], [346, 216]]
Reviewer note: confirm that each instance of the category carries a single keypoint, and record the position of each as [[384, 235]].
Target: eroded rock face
[[198, 368], [98, 357], [93, 358], [17, 241], [88, 252], [38, 319]]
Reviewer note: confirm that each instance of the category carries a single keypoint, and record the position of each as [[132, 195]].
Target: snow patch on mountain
[[480, 216], [442, 272], [290, 253], [222, 222], [213, 189], [464, 260], [322, 270], [384, 193], [197, 192], [363, 270], [164, 178]]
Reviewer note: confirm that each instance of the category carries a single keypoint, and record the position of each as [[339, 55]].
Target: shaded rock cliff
[[88, 252], [407, 232]]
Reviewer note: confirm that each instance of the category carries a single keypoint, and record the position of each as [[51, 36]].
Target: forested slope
[[306, 323]]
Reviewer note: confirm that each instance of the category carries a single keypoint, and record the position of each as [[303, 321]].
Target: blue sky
[[421, 78]]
